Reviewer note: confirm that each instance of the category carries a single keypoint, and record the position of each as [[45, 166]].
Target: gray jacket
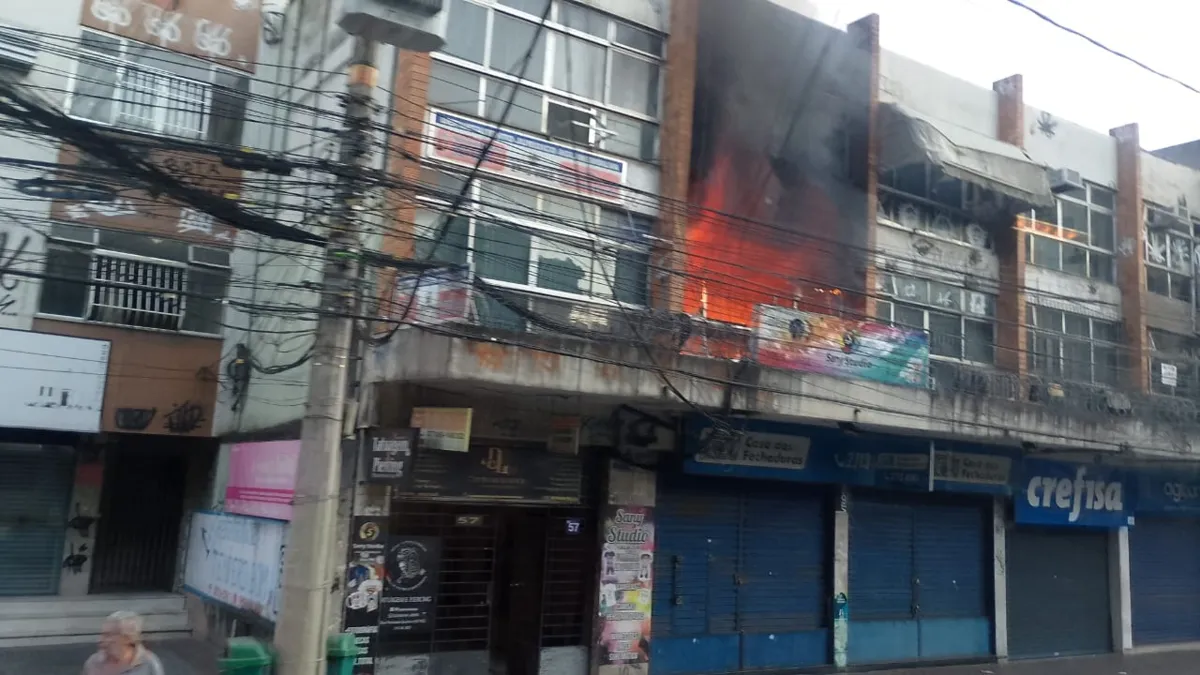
[[144, 663]]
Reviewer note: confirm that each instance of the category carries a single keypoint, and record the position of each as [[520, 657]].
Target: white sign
[[432, 299], [752, 448], [460, 140], [237, 561], [965, 467], [52, 381], [1170, 375]]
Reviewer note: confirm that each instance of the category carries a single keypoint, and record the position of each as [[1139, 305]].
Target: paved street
[[1167, 663], [179, 657]]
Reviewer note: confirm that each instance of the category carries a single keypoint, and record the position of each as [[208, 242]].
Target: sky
[[982, 41]]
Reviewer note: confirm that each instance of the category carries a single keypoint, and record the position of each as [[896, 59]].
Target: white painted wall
[[1059, 143], [942, 98]]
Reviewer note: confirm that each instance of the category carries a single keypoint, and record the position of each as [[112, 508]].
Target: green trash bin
[[340, 652], [245, 656]]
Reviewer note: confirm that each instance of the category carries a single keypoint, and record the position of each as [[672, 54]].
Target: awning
[[909, 138]]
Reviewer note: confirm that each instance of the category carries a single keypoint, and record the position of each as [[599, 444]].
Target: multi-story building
[[793, 352], [113, 299]]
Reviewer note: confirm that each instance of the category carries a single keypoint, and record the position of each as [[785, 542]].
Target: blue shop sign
[[1078, 495], [779, 451], [1165, 493]]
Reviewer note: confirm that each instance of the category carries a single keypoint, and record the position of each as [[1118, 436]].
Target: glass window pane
[[631, 137], [1100, 266], [494, 314], [1181, 255], [570, 212], [639, 39], [563, 267], [1050, 319], [229, 98], [513, 199], [1076, 193], [912, 179], [453, 247], [1103, 197], [979, 341], [980, 304], [631, 281], [466, 31], [912, 290], [1106, 366], [100, 43], [1181, 287], [883, 311], [501, 252], [1074, 260], [510, 41], [1047, 354], [634, 84], [945, 335], [1046, 253], [583, 19], [534, 7], [525, 111], [1158, 281], [1103, 231], [910, 317], [579, 67], [945, 296], [65, 291], [1077, 360], [453, 88], [568, 123], [203, 307], [1106, 331], [1074, 324], [1074, 220], [95, 85]]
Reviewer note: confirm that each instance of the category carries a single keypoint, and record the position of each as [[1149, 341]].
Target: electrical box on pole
[[415, 25]]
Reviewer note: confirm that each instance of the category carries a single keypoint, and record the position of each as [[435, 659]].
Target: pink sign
[[262, 479]]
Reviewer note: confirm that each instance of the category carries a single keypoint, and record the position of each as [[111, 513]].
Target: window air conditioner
[[1065, 180]]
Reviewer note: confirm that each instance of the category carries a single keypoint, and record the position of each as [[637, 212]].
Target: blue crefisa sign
[[1057, 493]]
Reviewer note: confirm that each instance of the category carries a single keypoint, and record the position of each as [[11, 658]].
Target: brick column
[[1131, 265], [667, 260], [1010, 241], [409, 99], [865, 32]]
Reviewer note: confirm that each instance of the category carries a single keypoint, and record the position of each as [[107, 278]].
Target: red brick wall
[[866, 30], [1010, 242], [1131, 266]]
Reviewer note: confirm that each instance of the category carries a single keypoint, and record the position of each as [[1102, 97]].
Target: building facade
[[114, 299]]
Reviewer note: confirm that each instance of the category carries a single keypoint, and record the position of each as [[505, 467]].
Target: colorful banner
[[262, 479], [1078, 495], [236, 561], [817, 343], [364, 588], [626, 587]]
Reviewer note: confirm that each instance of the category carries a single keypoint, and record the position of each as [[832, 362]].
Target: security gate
[[1164, 580], [35, 491]]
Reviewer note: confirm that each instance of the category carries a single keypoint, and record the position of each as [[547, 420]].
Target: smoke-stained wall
[[778, 164]]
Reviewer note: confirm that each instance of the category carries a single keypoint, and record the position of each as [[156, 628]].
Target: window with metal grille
[[131, 279]]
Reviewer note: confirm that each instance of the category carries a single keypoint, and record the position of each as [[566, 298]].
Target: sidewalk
[[1165, 663], [179, 657]]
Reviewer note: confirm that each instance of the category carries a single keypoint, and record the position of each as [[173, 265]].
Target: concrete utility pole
[[300, 630]]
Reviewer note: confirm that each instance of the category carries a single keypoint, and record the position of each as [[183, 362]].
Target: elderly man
[[121, 650]]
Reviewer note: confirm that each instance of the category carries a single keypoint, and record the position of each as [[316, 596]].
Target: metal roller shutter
[[35, 491], [1164, 561], [695, 562], [881, 561], [1057, 592], [954, 571], [741, 577]]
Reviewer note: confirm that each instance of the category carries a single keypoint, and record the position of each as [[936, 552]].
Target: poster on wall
[[262, 479], [817, 343], [236, 561], [410, 584], [626, 587], [364, 589]]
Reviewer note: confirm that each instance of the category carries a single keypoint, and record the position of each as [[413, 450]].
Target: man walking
[[121, 650]]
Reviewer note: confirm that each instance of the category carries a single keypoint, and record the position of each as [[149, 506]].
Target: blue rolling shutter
[[782, 591], [881, 561], [693, 614], [1164, 580], [35, 491], [951, 561]]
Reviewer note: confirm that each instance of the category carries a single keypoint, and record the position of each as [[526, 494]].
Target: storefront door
[[35, 493], [1164, 580]]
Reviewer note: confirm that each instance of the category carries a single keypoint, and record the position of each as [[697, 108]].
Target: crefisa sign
[[1056, 493]]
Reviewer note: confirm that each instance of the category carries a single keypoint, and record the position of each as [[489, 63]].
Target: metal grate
[[469, 539], [162, 103], [137, 292], [570, 567]]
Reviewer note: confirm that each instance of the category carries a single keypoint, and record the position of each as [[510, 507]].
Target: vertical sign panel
[[364, 589], [411, 586]]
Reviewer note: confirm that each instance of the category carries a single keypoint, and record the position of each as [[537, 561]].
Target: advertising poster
[[1073, 495], [262, 479], [364, 589], [626, 587], [817, 343], [236, 561], [410, 584]]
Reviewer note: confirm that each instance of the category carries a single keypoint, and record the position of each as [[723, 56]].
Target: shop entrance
[[514, 583]]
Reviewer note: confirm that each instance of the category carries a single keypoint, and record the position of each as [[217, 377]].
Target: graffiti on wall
[[226, 32]]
